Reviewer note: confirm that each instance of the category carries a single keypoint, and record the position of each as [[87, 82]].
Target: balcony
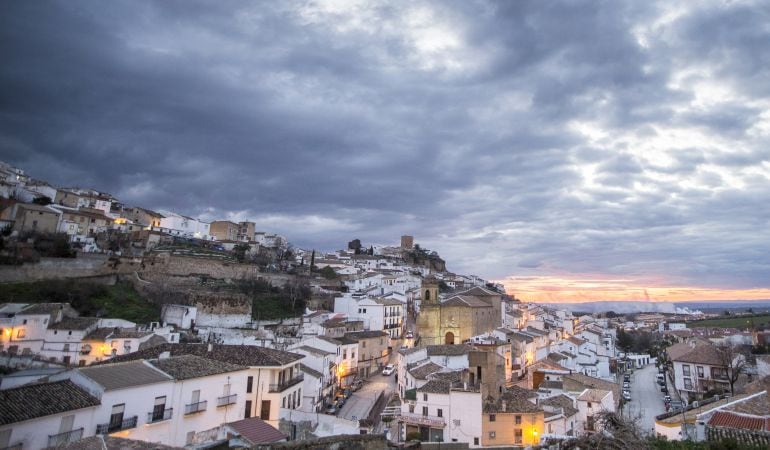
[[126, 424], [280, 387], [58, 440], [419, 419], [160, 416], [194, 408], [16, 446], [226, 400]]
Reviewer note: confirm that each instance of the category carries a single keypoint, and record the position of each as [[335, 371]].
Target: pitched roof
[[424, 370], [257, 431], [124, 375], [593, 395], [701, 353], [244, 355], [466, 300], [449, 349], [511, 401], [479, 292], [314, 351], [184, 367], [102, 442], [310, 371], [590, 382], [116, 333], [726, 419], [358, 335], [44, 308], [561, 401], [74, 323], [40, 400]]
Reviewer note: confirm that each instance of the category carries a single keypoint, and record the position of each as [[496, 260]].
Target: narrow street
[[646, 399], [360, 402]]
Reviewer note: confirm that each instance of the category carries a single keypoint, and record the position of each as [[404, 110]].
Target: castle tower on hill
[[469, 313], [407, 242]]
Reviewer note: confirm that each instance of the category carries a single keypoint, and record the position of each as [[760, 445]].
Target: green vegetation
[[328, 273], [273, 302], [741, 322], [120, 301]]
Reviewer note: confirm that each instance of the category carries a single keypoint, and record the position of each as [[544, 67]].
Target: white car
[[388, 370]]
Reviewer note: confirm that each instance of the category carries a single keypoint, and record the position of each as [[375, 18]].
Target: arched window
[[427, 295]]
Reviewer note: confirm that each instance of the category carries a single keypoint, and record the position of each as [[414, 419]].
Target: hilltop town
[[121, 325]]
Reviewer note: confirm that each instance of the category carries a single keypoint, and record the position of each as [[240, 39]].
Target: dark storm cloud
[[512, 137]]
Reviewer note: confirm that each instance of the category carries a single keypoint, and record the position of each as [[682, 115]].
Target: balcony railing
[[126, 424], [227, 400], [56, 440], [16, 446], [160, 416], [419, 419], [280, 387], [194, 408]]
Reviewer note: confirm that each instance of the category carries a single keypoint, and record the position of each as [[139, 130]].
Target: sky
[[575, 150]]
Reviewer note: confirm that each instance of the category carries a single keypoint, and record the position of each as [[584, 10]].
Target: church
[[463, 315]]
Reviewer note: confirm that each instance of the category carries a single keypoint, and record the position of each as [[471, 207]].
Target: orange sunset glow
[[551, 289]]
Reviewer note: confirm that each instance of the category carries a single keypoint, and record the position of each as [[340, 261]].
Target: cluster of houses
[[29, 205]]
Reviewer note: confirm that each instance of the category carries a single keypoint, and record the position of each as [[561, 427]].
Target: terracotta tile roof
[[725, 419], [40, 400], [593, 395], [184, 367], [590, 382], [561, 401], [257, 431], [701, 353], [449, 350], [113, 443], [466, 300], [310, 371], [358, 335], [124, 375], [511, 402], [74, 323], [243, 355], [424, 370]]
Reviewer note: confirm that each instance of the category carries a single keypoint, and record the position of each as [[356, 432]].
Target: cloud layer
[[626, 139]]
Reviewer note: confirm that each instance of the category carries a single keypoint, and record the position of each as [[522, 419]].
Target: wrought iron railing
[[227, 400], [126, 424], [194, 408], [160, 415], [280, 387], [56, 440]]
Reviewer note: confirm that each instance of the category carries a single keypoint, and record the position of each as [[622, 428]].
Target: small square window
[[517, 420], [492, 417], [492, 435]]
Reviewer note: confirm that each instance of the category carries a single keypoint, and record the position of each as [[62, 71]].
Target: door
[[116, 418], [247, 412], [449, 338], [66, 423]]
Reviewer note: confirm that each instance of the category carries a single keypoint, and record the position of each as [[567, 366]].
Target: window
[[190, 438], [687, 383], [411, 408], [517, 436], [344, 354], [475, 441], [21, 333], [492, 435], [425, 397], [363, 344], [116, 417], [517, 420], [159, 409], [700, 371], [24, 322], [424, 410], [196, 396], [249, 384], [589, 404], [440, 412], [492, 418], [686, 370], [352, 354]]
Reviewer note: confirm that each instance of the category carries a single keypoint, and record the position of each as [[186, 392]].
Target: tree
[[624, 340], [734, 361], [42, 200], [240, 251], [328, 273], [610, 314], [312, 261]]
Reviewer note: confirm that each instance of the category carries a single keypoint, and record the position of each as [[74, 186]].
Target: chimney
[[211, 347], [164, 355]]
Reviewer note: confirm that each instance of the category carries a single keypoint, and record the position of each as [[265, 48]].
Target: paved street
[[360, 403], [646, 398]]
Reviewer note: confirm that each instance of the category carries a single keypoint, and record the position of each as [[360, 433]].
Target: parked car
[[664, 389], [331, 409], [667, 399], [409, 335], [388, 370], [356, 385], [627, 396], [626, 385], [627, 377]]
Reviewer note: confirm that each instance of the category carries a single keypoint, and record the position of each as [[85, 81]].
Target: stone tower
[[429, 319]]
